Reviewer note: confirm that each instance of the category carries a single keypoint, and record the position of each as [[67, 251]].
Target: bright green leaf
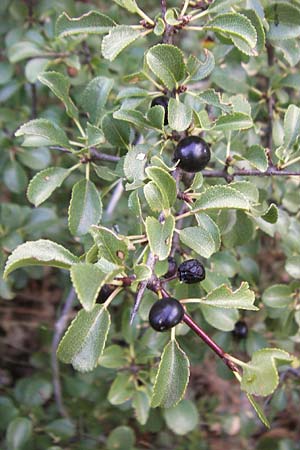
[[90, 23], [44, 183], [117, 40], [166, 62], [160, 235]]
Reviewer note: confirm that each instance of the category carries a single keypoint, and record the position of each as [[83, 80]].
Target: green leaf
[[44, 183], [213, 98], [117, 40], [200, 68], [205, 221], [271, 215], [165, 183], [221, 197], [23, 50], [224, 297], [220, 318], [117, 132], [94, 98], [130, 5], [90, 23], [260, 375], [246, 188], [284, 21], [122, 389], [134, 164], [111, 247], [61, 429], [278, 296], [179, 115], [199, 239], [291, 125], [160, 235], [34, 67], [39, 253], [258, 411], [233, 122], [15, 177], [238, 28], [220, 5], [257, 23], [156, 116], [141, 405], [60, 86], [87, 280], [44, 132], [172, 377], [85, 207], [122, 437], [95, 136], [84, 341], [166, 62], [183, 418], [292, 266], [257, 157], [154, 197], [18, 433], [113, 357], [134, 117]]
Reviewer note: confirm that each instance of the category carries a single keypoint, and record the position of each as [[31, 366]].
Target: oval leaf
[[172, 377], [44, 183]]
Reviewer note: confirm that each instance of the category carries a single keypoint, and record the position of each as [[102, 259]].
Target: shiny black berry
[[165, 314], [193, 154], [172, 267], [191, 271], [162, 101], [240, 330], [105, 292]]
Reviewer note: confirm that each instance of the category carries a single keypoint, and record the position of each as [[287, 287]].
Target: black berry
[[165, 314], [172, 267], [191, 271], [193, 154], [162, 101], [240, 330], [104, 293]]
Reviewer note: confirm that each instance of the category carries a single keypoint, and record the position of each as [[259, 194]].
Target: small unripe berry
[[162, 101], [172, 267], [240, 330], [191, 271], [193, 154], [105, 292], [165, 314]]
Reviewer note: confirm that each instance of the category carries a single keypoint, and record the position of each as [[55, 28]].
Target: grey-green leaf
[[43, 132], [198, 239], [160, 235], [44, 183], [221, 197], [172, 377], [92, 22], [39, 253], [85, 207], [117, 40], [60, 86], [84, 341], [179, 115], [166, 62], [87, 280], [94, 97]]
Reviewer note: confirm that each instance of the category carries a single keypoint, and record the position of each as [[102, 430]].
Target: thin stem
[[77, 144], [184, 8], [292, 161], [250, 173], [79, 128], [199, 15], [33, 100], [210, 342], [87, 171], [271, 100], [144, 16], [112, 296], [95, 154], [142, 287], [114, 200], [59, 328]]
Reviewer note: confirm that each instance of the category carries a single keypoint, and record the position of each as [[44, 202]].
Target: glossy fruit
[[172, 267], [162, 101], [193, 154], [191, 271], [104, 293], [240, 330], [165, 314]]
